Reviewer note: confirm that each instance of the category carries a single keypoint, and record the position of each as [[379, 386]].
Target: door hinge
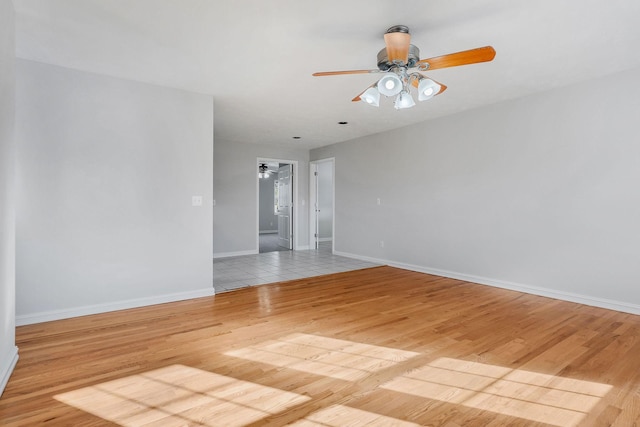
[[315, 235], [315, 173]]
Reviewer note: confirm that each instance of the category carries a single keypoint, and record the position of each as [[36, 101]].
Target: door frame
[[294, 210], [313, 200]]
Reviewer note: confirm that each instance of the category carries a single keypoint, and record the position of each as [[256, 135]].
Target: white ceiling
[[256, 57]]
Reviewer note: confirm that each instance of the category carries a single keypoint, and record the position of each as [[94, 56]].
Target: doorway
[[276, 194], [322, 200]]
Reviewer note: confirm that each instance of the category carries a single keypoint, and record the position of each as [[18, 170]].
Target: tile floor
[[269, 243], [250, 270]]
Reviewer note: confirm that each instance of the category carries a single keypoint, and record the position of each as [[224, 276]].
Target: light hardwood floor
[[374, 347]]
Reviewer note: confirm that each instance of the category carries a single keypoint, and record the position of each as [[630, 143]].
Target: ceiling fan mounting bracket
[[398, 29]]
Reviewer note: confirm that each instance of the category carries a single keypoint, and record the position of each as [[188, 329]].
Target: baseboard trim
[[325, 239], [237, 253], [268, 232], [46, 316], [534, 290], [7, 368], [251, 252]]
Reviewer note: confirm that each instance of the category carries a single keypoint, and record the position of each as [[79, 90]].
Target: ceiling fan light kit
[[371, 96], [390, 84], [404, 100], [263, 171], [427, 89], [397, 61]]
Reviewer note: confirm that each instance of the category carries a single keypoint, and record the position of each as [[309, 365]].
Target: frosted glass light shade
[[390, 84], [427, 89], [404, 100], [371, 96]]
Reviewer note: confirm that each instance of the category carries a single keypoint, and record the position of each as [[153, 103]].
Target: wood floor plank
[[380, 346]]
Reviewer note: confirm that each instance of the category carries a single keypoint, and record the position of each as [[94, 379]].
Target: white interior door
[[285, 206]]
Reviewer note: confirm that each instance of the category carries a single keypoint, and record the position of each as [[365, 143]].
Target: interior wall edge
[[8, 368], [8, 148]]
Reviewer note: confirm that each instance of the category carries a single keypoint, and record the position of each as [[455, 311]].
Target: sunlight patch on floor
[[329, 357], [341, 415], [181, 395], [537, 397]]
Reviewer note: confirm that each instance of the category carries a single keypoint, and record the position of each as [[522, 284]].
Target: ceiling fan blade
[[472, 56], [337, 73], [397, 46], [416, 83]]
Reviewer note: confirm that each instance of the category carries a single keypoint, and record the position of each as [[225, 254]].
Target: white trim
[[47, 316], [7, 368], [363, 258], [236, 253], [622, 306], [325, 239], [268, 231], [313, 200]]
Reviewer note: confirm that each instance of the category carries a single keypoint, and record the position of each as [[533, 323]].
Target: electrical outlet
[[382, 243]]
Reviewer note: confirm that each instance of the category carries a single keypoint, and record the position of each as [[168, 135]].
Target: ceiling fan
[[401, 64]]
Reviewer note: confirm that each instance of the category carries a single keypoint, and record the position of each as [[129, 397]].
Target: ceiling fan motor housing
[[385, 65]]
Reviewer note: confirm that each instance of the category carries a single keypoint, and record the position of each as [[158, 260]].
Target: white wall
[[538, 194], [107, 168], [268, 218], [235, 218], [8, 349], [325, 200]]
